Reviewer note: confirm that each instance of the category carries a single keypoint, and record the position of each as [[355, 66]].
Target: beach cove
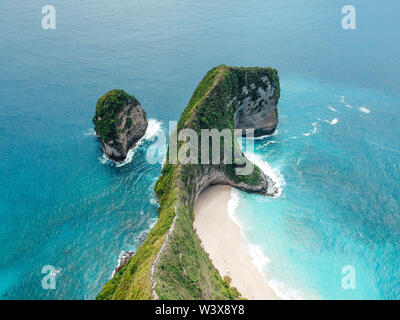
[[223, 241]]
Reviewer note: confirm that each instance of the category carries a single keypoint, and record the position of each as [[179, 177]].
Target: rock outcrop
[[120, 122], [259, 108], [124, 258], [171, 263]]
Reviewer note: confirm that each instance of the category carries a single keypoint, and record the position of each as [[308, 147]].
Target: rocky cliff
[[171, 263], [120, 122], [258, 108]]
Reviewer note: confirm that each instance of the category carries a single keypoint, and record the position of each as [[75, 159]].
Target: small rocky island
[[171, 263], [119, 122]]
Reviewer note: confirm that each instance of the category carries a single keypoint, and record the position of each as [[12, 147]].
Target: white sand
[[221, 239]]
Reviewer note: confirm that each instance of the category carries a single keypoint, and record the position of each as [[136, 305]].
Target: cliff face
[[259, 108], [120, 122], [171, 263]]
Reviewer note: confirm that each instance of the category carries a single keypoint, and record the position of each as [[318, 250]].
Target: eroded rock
[[120, 122]]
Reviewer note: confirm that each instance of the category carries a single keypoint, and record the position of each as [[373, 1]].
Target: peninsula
[[172, 263]]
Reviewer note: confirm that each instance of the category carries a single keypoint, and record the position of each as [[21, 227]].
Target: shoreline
[[222, 239]]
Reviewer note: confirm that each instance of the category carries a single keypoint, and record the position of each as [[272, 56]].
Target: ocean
[[335, 154]]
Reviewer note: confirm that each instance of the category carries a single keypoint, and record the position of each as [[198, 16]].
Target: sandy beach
[[221, 239]]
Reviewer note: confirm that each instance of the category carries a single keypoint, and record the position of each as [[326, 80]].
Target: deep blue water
[[61, 205]]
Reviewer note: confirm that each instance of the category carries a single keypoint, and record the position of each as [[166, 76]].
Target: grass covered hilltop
[[171, 263]]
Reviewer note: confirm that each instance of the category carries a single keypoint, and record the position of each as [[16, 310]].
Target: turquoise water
[[338, 168], [62, 204]]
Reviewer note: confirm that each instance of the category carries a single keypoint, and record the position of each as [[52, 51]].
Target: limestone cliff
[[259, 108], [120, 122], [171, 263]]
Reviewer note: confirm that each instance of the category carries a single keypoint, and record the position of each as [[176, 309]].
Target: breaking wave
[[153, 128]]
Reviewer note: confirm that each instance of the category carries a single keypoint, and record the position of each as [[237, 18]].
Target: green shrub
[[108, 108]]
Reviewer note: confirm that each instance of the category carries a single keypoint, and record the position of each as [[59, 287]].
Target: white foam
[[332, 122], [267, 144], [129, 156], [153, 197], [267, 135], [233, 204], [122, 256], [104, 159], [152, 129], [152, 223], [144, 233], [90, 132], [258, 258], [154, 126], [362, 109], [284, 292], [365, 110], [332, 109], [277, 179], [313, 131], [345, 103]]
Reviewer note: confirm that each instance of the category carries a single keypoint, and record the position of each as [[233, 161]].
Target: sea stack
[[119, 122]]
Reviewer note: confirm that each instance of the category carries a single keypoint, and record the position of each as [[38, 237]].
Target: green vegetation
[[107, 110], [184, 270]]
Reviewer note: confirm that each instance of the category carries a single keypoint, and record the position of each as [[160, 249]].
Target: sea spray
[[332, 122], [276, 178], [90, 133], [313, 131], [332, 109], [123, 259], [154, 126], [267, 144], [364, 110], [127, 254], [285, 292], [255, 252], [275, 133]]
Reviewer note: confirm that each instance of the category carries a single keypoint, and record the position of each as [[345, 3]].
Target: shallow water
[[62, 204]]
